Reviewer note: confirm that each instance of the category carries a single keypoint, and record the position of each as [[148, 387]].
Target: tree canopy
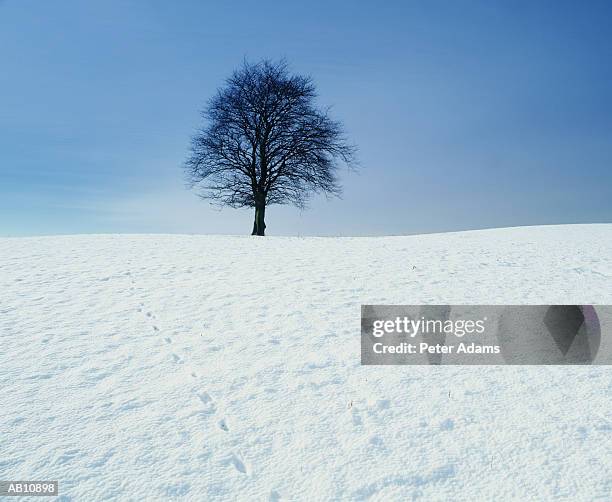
[[266, 142]]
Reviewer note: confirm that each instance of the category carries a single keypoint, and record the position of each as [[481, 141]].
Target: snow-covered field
[[166, 367]]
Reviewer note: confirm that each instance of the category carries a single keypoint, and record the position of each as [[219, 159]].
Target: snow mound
[[166, 367]]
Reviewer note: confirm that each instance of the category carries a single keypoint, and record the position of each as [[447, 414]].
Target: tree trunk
[[259, 225]]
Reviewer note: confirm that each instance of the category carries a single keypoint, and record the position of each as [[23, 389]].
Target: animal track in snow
[[205, 397], [208, 405], [238, 462]]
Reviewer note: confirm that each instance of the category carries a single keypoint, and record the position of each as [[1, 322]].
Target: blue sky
[[466, 114]]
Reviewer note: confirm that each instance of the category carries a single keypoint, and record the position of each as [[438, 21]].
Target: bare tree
[[265, 142]]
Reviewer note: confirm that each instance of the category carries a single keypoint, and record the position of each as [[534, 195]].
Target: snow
[[177, 367]]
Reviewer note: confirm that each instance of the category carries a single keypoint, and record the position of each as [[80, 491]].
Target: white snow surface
[[189, 367]]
